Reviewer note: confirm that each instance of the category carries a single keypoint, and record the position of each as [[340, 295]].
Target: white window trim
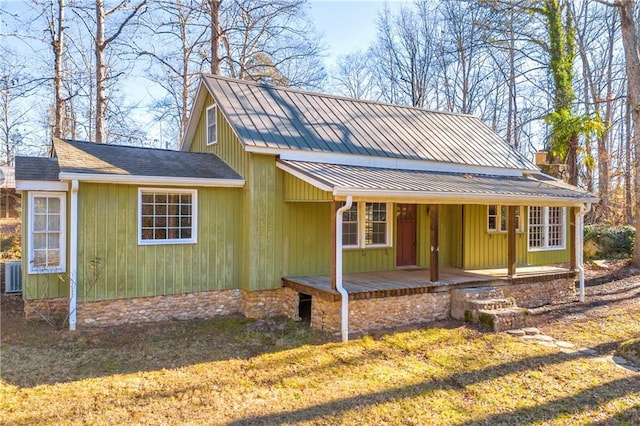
[[62, 196], [519, 227], [362, 218], [194, 217], [215, 137], [545, 216]]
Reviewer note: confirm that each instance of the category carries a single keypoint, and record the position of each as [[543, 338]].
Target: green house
[[286, 202]]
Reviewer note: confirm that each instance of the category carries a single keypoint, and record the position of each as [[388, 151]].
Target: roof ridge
[[332, 96]]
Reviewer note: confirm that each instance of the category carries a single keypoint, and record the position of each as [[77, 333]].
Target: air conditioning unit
[[12, 277]]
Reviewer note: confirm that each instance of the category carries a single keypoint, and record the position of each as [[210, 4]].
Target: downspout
[[580, 246], [344, 321], [73, 255]]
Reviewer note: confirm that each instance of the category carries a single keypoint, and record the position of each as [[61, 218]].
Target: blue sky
[[346, 25]]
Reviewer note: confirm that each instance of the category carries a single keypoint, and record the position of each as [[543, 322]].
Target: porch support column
[[334, 207], [435, 248], [511, 241], [573, 212]]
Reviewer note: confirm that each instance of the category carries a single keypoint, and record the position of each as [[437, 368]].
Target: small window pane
[[53, 205], [39, 241], [40, 222], [53, 223]]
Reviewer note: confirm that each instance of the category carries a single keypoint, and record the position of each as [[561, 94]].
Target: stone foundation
[[530, 294], [159, 308], [379, 313], [269, 303], [42, 308]]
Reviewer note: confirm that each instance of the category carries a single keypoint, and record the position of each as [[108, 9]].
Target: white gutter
[[580, 247], [455, 197], [344, 322], [73, 255], [152, 180]]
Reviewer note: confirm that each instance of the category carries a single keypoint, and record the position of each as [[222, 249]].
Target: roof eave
[[153, 180], [41, 185], [457, 197]]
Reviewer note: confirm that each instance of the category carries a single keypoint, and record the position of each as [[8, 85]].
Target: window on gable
[[498, 216], [366, 225], [212, 125], [166, 216], [546, 228], [47, 232]]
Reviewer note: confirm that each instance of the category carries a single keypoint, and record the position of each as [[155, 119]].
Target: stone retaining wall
[[379, 313], [535, 294]]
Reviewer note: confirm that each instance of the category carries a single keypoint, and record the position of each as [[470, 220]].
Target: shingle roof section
[[95, 158], [37, 168], [437, 183], [281, 118]]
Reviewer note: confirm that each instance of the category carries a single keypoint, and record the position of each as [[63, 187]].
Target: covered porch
[[411, 281]]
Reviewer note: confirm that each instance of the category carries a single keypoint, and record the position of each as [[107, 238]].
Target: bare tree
[[353, 75], [102, 42]]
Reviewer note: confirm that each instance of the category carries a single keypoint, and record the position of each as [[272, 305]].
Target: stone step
[[491, 304], [505, 318]]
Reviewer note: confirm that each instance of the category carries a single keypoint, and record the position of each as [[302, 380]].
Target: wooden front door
[[406, 235]]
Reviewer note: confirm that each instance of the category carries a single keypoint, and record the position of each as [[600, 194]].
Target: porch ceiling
[[435, 187]]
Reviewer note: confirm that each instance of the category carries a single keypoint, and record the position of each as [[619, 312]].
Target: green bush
[[608, 242]]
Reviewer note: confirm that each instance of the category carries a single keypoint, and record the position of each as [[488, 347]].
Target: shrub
[[608, 242]]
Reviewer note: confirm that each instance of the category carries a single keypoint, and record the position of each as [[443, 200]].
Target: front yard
[[238, 371]]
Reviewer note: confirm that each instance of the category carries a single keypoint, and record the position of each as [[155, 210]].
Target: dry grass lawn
[[231, 371]]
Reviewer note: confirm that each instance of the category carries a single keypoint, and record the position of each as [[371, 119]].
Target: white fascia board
[[153, 180], [451, 198], [386, 163], [41, 185], [304, 177]]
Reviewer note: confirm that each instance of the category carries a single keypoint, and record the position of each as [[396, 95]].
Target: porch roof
[[402, 185]]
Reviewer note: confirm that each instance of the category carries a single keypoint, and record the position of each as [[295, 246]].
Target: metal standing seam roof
[[287, 119], [345, 179], [94, 158]]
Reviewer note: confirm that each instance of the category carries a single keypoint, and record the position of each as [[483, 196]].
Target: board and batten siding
[[228, 146], [112, 265], [298, 190], [483, 249], [42, 286]]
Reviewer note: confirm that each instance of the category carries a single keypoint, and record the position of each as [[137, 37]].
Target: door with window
[[406, 234]]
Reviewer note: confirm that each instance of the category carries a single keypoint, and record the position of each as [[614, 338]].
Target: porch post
[[334, 206], [573, 212], [433, 260], [511, 241]]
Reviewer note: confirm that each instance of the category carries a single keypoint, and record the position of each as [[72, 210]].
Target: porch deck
[[403, 282]]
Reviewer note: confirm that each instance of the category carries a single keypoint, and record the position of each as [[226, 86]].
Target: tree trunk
[[214, 9], [632, 58], [57, 41], [101, 74]]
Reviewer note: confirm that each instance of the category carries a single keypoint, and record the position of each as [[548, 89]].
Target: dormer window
[[212, 125]]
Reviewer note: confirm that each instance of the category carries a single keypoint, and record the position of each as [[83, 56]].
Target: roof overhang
[[41, 185], [152, 180], [427, 187]]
